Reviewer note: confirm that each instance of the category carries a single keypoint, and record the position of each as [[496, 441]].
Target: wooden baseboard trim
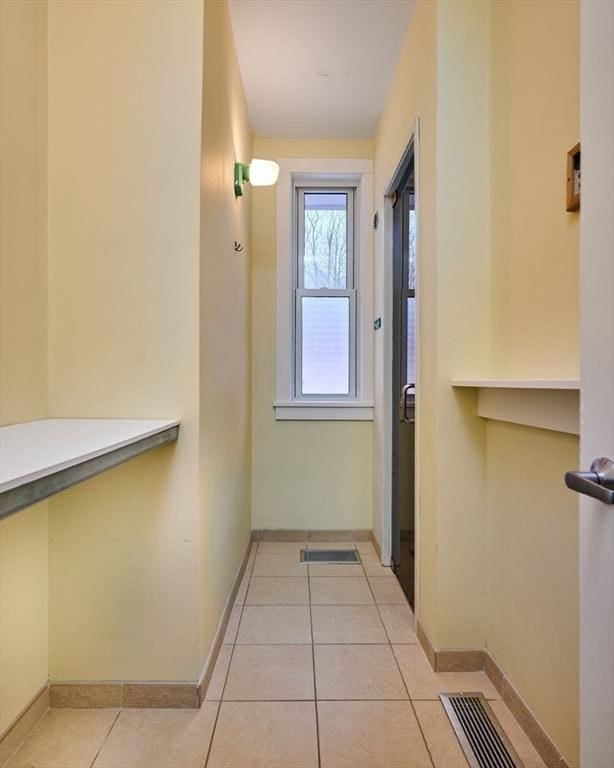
[[459, 660], [480, 660], [347, 534], [376, 545], [151, 695], [21, 726], [270, 534], [123, 694], [427, 646], [493, 672], [529, 723], [218, 640]]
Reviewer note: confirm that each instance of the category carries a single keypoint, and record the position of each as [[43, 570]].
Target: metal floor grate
[[329, 556], [483, 741]]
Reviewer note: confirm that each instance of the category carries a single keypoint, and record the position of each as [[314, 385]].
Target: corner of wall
[[329, 484], [462, 316], [23, 341], [225, 371]]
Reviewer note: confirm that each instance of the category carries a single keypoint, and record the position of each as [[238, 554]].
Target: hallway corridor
[[286, 275], [319, 667]]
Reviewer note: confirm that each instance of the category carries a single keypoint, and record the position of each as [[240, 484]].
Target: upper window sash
[[303, 191]]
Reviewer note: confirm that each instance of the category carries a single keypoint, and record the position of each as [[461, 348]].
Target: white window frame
[[350, 291], [318, 174]]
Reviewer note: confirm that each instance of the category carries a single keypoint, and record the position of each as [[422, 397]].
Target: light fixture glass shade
[[263, 173]]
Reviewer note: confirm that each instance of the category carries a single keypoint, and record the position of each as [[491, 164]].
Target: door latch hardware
[[598, 483], [407, 404]]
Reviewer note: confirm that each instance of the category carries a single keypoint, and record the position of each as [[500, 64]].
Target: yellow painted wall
[[412, 95], [462, 314], [23, 340], [311, 474], [124, 159], [532, 573], [443, 68], [23, 201], [532, 563], [163, 535], [498, 284], [148, 316], [225, 325], [23, 610], [534, 121]]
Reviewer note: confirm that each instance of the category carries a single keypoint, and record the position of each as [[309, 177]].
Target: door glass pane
[[325, 252], [325, 345], [411, 251], [411, 342]]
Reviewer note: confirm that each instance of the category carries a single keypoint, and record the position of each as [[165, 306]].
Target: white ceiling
[[318, 68]]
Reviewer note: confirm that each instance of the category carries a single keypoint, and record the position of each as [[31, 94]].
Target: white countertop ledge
[[37, 449], [518, 383]]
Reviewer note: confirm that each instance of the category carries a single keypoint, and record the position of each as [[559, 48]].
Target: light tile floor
[[320, 668]]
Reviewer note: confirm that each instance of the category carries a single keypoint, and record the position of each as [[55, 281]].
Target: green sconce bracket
[[241, 176]]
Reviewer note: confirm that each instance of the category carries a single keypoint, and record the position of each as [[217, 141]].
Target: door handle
[[598, 483], [407, 402]]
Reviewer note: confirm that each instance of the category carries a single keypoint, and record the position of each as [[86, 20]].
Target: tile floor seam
[[281, 645], [313, 663], [317, 605], [313, 652], [316, 699], [234, 645], [119, 711], [325, 717], [367, 642], [411, 701], [339, 701], [396, 661]]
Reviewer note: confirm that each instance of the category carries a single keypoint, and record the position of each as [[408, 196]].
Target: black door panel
[[403, 382]]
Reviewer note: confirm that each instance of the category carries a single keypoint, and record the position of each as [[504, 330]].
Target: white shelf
[[544, 403], [573, 384], [40, 458]]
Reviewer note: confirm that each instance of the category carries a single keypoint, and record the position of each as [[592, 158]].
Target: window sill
[[321, 410]]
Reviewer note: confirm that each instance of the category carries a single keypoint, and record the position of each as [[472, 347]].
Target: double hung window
[[324, 290], [325, 293]]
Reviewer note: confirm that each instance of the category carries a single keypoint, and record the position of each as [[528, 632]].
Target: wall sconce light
[[259, 173]]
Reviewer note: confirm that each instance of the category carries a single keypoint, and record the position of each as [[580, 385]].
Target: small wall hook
[[238, 247]]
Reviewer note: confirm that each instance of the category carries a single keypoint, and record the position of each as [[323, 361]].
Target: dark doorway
[[403, 376]]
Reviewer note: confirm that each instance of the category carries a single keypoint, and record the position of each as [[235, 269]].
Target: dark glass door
[[404, 380]]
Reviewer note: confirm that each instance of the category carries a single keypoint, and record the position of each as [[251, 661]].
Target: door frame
[[596, 520], [412, 144]]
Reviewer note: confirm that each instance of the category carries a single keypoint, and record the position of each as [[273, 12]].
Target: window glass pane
[[325, 252], [326, 345], [411, 250], [411, 341]]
